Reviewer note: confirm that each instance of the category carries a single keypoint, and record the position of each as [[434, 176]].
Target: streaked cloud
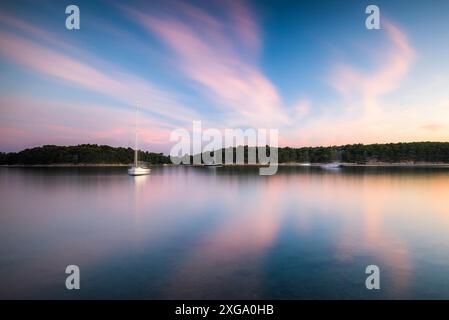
[[34, 121], [209, 63], [49, 60], [123, 86], [360, 114], [210, 55], [367, 87], [433, 126]]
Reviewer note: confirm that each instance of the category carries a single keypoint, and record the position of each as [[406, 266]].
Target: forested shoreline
[[414, 152], [79, 155], [432, 152]]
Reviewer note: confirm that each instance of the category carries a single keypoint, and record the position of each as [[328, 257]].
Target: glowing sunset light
[[228, 64]]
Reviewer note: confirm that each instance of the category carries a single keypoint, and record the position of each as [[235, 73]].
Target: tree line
[[359, 153], [353, 153], [80, 154], [435, 152]]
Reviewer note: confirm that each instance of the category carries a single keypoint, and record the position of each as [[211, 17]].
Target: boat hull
[[331, 166], [138, 171], [213, 165]]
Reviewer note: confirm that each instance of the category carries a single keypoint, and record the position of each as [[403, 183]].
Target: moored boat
[[136, 169]]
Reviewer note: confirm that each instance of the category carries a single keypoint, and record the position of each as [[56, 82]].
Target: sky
[[310, 69]]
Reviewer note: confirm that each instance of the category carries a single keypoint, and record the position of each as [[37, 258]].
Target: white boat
[[136, 169], [213, 165], [330, 166]]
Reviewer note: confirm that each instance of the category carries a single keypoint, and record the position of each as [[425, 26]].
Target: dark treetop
[[434, 152], [80, 154]]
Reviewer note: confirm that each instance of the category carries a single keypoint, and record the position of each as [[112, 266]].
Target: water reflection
[[186, 232]]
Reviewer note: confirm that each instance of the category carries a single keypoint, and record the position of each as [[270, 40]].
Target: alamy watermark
[[210, 146], [373, 20], [73, 20], [72, 282], [372, 282]]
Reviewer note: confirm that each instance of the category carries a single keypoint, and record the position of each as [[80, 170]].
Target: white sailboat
[[212, 164], [331, 166], [137, 170]]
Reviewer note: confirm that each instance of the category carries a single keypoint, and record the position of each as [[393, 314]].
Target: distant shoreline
[[293, 164], [380, 164], [69, 165], [415, 154]]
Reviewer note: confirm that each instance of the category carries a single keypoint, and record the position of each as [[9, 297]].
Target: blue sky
[[307, 68]]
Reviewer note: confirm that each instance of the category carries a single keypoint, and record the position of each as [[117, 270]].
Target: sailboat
[[137, 170], [212, 164], [331, 166]]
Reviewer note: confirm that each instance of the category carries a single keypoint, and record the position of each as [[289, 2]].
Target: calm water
[[224, 233]]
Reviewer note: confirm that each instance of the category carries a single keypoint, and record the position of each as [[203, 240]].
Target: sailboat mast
[[135, 146]]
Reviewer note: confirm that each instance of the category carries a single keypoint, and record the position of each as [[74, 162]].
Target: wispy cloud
[[50, 60], [212, 56], [368, 87], [34, 121], [125, 87], [359, 115], [214, 59], [433, 126]]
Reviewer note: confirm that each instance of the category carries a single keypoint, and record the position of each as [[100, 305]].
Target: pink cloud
[[67, 123], [210, 57], [31, 30], [360, 115], [116, 83], [433, 126], [245, 25], [355, 84], [302, 109], [31, 122], [214, 54]]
